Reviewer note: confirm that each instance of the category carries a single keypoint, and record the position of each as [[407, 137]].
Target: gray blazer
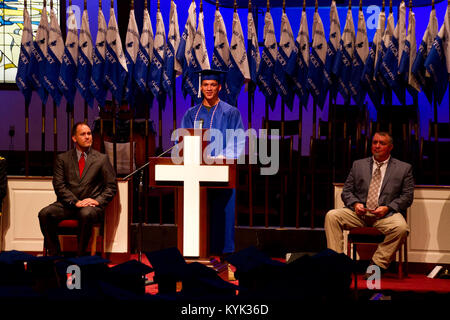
[[97, 182], [397, 189]]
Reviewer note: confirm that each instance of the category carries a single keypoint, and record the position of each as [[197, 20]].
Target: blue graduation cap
[[209, 74]]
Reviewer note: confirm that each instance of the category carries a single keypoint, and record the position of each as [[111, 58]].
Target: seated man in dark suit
[[377, 192], [84, 183], [3, 181]]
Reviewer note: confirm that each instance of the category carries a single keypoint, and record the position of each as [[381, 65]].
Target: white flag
[[411, 38], [173, 38], [157, 62], [132, 38], [131, 51], [85, 55], [238, 47], [54, 58], [199, 45], [72, 36], [401, 25], [221, 54], [97, 86], [379, 34], [254, 57]]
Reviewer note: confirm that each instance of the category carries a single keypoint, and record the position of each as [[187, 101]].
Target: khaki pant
[[394, 228]]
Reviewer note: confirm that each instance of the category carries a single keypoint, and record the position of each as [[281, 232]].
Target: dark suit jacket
[[98, 181], [397, 189], [3, 180]]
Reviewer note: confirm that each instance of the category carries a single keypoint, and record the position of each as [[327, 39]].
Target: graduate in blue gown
[[216, 114]]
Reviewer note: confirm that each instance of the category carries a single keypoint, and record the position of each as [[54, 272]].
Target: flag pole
[[315, 103], [72, 105], [85, 102], [146, 5], [43, 128], [282, 99], [250, 99], [55, 116], [27, 132], [267, 103], [101, 118], [131, 116], [160, 102], [113, 101], [174, 97], [299, 152]]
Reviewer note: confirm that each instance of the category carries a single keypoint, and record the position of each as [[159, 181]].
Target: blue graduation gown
[[222, 209]]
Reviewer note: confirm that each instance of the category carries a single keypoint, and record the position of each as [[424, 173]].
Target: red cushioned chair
[[371, 236], [69, 227]]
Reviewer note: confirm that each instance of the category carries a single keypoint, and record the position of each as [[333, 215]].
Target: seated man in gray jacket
[[377, 192]]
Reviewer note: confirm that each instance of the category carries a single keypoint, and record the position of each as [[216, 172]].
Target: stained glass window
[[11, 26]]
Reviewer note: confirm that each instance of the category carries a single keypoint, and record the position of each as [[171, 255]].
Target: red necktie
[[81, 163]]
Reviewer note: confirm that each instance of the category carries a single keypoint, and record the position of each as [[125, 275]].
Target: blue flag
[[238, 71], [131, 51], [253, 55], [171, 65], [68, 72], [23, 69], [368, 79], [436, 63], [265, 79], [184, 51], [390, 63], [198, 60], [38, 57], [282, 67], [381, 51], [115, 62], [85, 53], [418, 68], [300, 71], [344, 59], [358, 91], [334, 41], [145, 54], [408, 57], [221, 56], [317, 62], [157, 64], [97, 86], [55, 53]]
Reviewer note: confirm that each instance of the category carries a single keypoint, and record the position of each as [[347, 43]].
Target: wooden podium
[[192, 175]]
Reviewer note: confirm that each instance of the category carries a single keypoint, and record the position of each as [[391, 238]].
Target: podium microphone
[[201, 121]]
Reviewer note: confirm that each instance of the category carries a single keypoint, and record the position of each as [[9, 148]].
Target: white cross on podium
[[191, 172]]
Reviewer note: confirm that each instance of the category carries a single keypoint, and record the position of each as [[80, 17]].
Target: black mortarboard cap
[[202, 281], [92, 269], [250, 258], [253, 265], [169, 266], [13, 256], [88, 260], [129, 276], [12, 267]]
